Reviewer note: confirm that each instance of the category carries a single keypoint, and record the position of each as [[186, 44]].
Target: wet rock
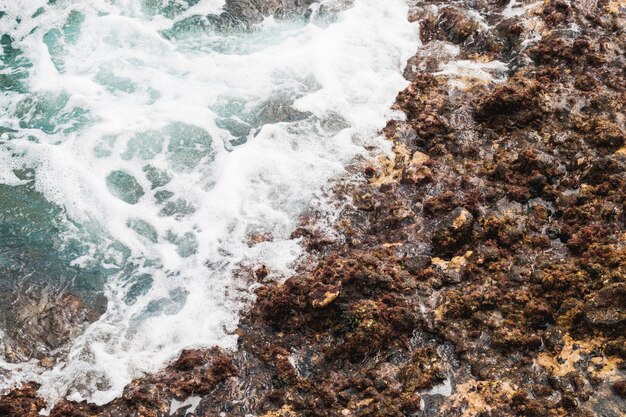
[[190, 359], [506, 229], [124, 186], [240, 15], [616, 347], [327, 298], [608, 306], [23, 402], [262, 272], [424, 108], [454, 230], [619, 388], [488, 249], [416, 264], [511, 105], [416, 171], [457, 26], [423, 371], [41, 322], [602, 132]]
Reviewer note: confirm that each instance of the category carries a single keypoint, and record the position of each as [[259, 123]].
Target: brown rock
[[328, 298], [40, 322], [608, 306], [190, 359], [454, 230], [22, 402], [457, 25], [619, 388]]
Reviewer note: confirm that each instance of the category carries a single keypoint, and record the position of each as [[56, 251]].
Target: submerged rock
[[238, 15], [124, 186], [41, 322]]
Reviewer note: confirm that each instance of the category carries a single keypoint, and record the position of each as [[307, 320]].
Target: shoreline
[[482, 271]]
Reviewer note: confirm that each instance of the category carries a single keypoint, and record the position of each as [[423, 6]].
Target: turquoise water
[[33, 250]]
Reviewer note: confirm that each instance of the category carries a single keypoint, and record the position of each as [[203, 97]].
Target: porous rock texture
[[480, 269]]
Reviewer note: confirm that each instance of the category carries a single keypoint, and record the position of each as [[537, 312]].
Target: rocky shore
[[480, 269]]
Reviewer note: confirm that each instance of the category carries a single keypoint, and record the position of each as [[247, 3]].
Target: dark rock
[[619, 388], [454, 230], [22, 402], [190, 359], [456, 24]]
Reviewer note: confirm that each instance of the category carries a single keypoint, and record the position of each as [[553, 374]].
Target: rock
[[454, 230], [328, 298], [262, 272], [240, 15], [40, 322], [616, 347], [285, 411], [124, 186], [416, 172], [619, 388], [513, 104], [456, 24], [452, 268], [423, 371], [190, 359], [608, 306], [525, 172], [415, 264], [602, 132], [22, 402]]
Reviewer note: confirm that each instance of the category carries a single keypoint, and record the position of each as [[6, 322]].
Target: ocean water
[[136, 161]]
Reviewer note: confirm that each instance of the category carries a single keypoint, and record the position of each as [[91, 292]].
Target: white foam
[[346, 74], [12, 374], [516, 8], [191, 403], [461, 70], [7, 176]]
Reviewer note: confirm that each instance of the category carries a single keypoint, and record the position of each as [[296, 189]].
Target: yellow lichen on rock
[[455, 263], [285, 411], [477, 397], [569, 359], [404, 167], [616, 7], [329, 297]]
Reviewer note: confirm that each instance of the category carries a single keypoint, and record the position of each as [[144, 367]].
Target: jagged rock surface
[[487, 259]]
